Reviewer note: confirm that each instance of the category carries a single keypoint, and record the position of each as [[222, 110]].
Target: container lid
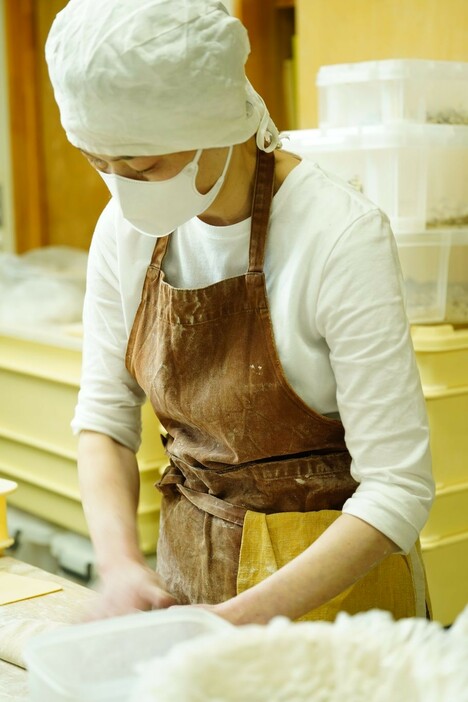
[[379, 136], [418, 69], [441, 338], [98, 660]]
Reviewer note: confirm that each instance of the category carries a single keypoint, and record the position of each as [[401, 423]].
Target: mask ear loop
[[196, 158], [226, 163]]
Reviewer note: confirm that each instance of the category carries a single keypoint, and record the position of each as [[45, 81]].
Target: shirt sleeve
[[361, 315], [110, 399]]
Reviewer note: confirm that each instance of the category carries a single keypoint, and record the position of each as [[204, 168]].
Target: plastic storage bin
[[98, 661], [75, 557], [447, 411], [449, 513], [442, 355], [417, 174], [39, 383], [33, 537], [392, 91], [446, 563], [435, 268]]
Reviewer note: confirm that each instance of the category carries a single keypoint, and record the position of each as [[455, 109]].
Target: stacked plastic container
[[39, 380], [442, 354], [397, 131]]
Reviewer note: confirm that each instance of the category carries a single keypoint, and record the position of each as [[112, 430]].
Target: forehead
[[102, 157]]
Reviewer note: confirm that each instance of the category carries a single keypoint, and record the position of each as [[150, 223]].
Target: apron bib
[[255, 474]]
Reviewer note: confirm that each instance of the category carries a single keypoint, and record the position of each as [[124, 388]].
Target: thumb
[[159, 598]]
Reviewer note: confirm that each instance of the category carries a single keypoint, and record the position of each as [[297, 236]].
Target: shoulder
[[338, 201], [106, 225], [318, 209]]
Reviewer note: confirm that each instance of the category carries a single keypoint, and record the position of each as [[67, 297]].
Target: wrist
[[245, 608], [119, 560]]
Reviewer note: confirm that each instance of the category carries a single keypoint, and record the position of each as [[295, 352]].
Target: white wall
[[6, 197]]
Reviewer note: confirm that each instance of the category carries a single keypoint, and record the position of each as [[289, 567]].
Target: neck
[[234, 202]]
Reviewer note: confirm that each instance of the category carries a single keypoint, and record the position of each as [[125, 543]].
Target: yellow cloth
[[269, 541]]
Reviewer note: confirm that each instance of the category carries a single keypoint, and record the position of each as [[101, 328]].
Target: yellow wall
[[343, 31]]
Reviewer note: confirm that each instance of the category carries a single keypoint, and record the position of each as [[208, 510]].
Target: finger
[[160, 599]]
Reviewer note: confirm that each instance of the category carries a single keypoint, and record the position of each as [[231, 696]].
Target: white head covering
[[149, 77]]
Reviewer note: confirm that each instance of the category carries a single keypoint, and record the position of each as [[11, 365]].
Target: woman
[[257, 302]]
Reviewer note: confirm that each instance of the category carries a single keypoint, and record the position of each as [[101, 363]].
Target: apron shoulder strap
[[159, 250], [261, 204]]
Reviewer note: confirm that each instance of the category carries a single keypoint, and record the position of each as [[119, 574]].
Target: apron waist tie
[[173, 481], [214, 505]]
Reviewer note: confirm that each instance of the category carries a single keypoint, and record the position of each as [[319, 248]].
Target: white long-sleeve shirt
[[336, 300]]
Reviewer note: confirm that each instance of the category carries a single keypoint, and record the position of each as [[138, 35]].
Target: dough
[[15, 634], [356, 659]]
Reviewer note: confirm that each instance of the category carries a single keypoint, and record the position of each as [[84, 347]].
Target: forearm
[[346, 551], [109, 484]]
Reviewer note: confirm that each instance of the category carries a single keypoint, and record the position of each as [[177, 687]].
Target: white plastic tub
[[435, 268], [417, 174], [97, 662], [393, 91]]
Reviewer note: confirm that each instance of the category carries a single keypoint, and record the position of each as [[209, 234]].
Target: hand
[[127, 587], [225, 610]]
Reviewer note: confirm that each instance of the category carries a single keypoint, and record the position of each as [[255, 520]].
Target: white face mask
[[157, 207]]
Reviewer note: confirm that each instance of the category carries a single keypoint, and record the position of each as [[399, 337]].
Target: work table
[[20, 620]]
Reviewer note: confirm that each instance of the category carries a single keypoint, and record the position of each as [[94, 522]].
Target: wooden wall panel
[[26, 156], [270, 26], [57, 195], [342, 31], [74, 192]]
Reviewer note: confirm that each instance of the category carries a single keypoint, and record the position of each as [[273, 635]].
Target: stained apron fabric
[[239, 439]]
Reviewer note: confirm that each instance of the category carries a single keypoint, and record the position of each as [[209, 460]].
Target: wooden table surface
[[19, 619]]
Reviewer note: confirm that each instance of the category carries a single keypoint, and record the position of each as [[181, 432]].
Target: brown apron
[[242, 444]]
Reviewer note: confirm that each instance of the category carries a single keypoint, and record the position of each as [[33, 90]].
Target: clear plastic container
[[98, 662], [393, 91], [435, 269], [417, 174]]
